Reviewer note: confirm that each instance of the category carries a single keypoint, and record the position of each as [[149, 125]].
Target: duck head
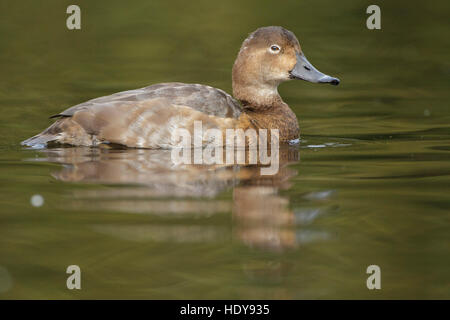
[[269, 56]]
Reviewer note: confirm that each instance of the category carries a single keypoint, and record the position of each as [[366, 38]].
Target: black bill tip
[[335, 81]]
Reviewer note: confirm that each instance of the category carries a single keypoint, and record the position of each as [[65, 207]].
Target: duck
[[147, 117]]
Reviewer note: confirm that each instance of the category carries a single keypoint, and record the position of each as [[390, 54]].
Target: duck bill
[[304, 70]]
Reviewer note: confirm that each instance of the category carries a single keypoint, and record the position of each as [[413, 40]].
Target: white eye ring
[[274, 48]]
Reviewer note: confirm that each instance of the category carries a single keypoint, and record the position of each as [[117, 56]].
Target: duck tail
[[41, 140], [65, 131]]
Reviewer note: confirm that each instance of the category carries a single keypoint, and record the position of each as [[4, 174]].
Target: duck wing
[[206, 99]]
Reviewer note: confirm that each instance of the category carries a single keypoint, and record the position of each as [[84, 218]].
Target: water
[[367, 184]]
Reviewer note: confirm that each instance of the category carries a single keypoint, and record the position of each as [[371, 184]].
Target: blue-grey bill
[[304, 70]]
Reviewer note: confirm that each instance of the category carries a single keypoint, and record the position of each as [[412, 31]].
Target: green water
[[368, 184]]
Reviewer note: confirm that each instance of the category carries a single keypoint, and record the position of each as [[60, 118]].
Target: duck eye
[[274, 48]]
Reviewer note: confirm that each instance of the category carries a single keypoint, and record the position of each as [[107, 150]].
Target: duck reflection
[[147, 182]]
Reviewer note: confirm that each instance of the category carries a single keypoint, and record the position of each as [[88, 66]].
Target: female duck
[[146, 117]]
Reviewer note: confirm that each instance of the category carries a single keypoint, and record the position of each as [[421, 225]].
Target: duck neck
[[262, 104], [251, 89], [269, 112], [257, 98]]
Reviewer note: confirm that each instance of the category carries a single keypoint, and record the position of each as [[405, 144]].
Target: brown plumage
[[147, 117]]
